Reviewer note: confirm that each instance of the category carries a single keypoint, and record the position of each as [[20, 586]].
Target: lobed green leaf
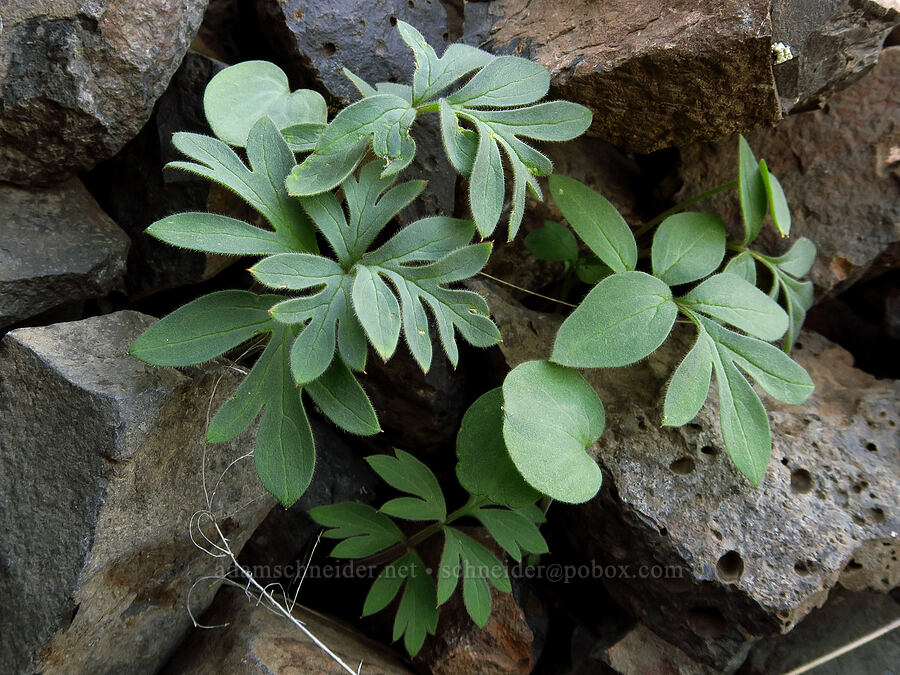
[[364, 530], [407, 474]]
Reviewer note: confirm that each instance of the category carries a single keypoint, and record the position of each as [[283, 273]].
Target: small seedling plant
[[344, 278]]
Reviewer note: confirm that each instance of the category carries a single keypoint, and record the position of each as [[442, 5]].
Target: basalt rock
[[840, 169], [57, 247], [102, 461], [79, 79], [737, 563]]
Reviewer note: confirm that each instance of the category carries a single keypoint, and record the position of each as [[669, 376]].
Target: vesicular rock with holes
[[80, 78], [101, 466], [58, 246], [133, 188], [840, 169], [257, 641], [831, 44], [725, 563], [656, 74]]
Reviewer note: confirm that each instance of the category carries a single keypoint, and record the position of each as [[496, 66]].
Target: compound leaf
[[485, 467], [513, 531], [552, 416], [624, 318], [240, 95], [407, 474], [464, 556], [688, 246], [216, 234], [262, 186], [417, 613], [504, 81], [487, 186], [597, 222], [341, 398], [364, 530]]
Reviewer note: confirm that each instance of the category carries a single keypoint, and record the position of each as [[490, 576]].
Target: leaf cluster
[[365, 532]]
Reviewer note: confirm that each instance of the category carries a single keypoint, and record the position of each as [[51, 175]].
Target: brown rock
[[257, 642], [840, 170], [733, 563], [656, 74], [79, 79], [101, 459], [643, 652]]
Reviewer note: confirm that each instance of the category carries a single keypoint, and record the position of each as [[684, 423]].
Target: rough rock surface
[[735, 563], [133, 188], [832, 42], [642, 651], [57, 246], [257, 642], [100, 467], [844, 618], [502, 647], [80, 78], [840, 169], [656, 74]]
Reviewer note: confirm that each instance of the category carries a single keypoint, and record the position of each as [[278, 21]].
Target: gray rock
[[832, 42], [732, 563], [58, 246], [840, 171], [844, 618], [79, 79], [642, 651], [257, 642], [656, 74], [133, 188], [101, 462]]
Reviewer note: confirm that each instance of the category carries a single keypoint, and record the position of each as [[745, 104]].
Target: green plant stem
[[650, 224], [525, 290], [428, 108]]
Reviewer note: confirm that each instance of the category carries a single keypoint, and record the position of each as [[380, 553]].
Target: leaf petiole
[[678, 208]]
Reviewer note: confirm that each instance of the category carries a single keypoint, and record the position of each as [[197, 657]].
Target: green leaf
[[552, 242], [341, 398], [284, 452], [262, 187], [591, 270], [461, 145], [239, 96], [303, 137], [798, 261], [745, 426], [464, 556], [504, 81], [216, 234], [434, 74], [364, 530], [688, 246], [689, 385], [551, 121], [777, 373], [408, 474], [384, 589], [487, 186], [361, 85], [781, 214], [743, 266], [596, 221], [513, 531], [320, 172], [204, 328], [378, 311], [552, 417], [752, 191], [417, 613], [799, 298], [729, 298], [624, 318], [485, 467]]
